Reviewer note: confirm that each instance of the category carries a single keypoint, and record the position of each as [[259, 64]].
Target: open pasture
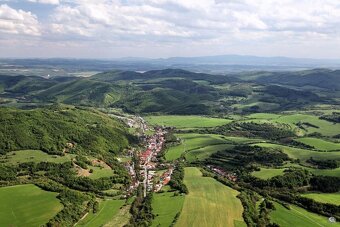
[[303, 154], [16, 157], [27, 205], [209, 203], [267, 173], [192, 141], [186, 121], [298, 217], [165, 206], [320, 144], [332, 198], [107, 210]]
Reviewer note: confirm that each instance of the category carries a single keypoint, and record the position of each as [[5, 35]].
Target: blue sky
[[165, 28]]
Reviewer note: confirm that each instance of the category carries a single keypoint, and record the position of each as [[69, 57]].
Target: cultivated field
[[186, 121], [209, 203], [106, 213], [165, 206], [192, 141], [333, 198], [27, 205], [298, 217]]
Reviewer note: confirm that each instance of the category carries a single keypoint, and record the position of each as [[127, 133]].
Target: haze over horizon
[[109, 29]]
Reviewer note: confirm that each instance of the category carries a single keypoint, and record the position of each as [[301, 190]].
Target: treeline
[[176, 181], [245, 158], [323, 164], [291, 179], [252, 129], [325, 184], [64, 174], [141, 210], [334, 117]]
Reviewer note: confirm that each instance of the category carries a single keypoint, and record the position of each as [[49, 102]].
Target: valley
[[170, 148]]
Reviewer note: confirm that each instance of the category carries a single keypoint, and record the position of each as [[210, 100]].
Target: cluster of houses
[[221, 172], [149, 161]]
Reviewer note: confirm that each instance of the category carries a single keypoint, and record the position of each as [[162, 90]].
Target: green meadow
[[21, 156], [165, 206], [303, 154], [99, 172], [209, 202], [332, 198], [320, 144], [324, 127], [298, 217], [27, 205], [186, 121], [106, 213], [267, 173], [204, 152], [192, 141]]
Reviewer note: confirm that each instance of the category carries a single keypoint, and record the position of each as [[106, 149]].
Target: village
[[148, 161]]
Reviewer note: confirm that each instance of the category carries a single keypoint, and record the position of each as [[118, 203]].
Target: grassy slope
[[193, 141], [205, 152], [107, 210], [265, 173], [165, 206], [16, 157], [298, 217], [320, 144], [209, 203], [324, 127], [186, 121], [27, 205], [303, 154], [333, 198]]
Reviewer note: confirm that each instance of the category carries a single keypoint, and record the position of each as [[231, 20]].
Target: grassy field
[[303, 154], [265, 173], [107, 210], [333, 198], [209, 203], [27, 205], [165, 206], [100, 172], [298, 217], [186, 121], [205, 152], [320, 144], [192, 141], [324, 127], [16, 157]]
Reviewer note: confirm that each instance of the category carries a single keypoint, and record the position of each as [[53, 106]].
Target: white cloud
[[184, 25], [52, 2], [14, 21]]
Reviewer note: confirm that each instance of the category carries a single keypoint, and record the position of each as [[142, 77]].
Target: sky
[[168, 28]]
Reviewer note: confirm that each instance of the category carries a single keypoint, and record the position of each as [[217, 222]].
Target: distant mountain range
[[207, 64]]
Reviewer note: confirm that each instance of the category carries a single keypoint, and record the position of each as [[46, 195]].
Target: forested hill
[[323, 78], [58, 129], [176, 91]]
